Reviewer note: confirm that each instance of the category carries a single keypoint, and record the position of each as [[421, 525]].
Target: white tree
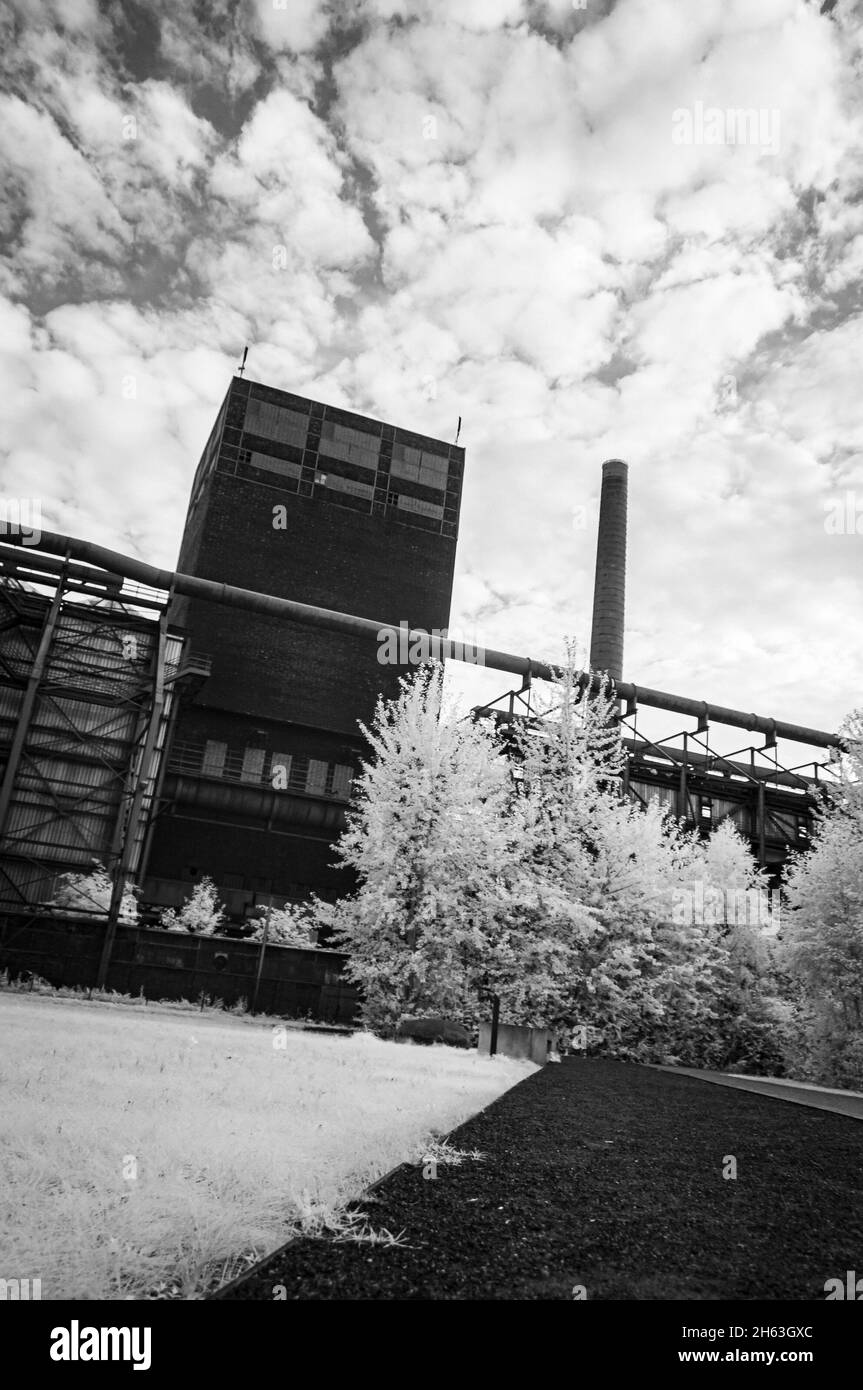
[[439, 840], [823, 931], [291, 925], [86, 894], [645, 983], [741, 915], [201, 913]]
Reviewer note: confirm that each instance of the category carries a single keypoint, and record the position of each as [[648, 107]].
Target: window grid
[[369, 443], [273, 465], [416, 504], [253, 764], [254, 767], [214, 757], [316, 778], [354, 446], [343, 776], [335, 480], [276, 422], [420, 466]]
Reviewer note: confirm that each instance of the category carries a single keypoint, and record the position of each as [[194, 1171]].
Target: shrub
[[291, 925], [82, 895], [201, 913]]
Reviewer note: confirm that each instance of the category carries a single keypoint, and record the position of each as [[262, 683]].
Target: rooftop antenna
[[458, 431], [242, 367]]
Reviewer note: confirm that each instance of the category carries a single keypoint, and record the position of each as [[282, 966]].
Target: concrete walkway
[[797, 1092]]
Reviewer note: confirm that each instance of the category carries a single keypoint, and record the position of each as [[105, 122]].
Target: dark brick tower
[[609, 590], [304, 501]]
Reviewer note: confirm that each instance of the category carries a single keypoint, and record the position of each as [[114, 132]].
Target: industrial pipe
[[210, 591]]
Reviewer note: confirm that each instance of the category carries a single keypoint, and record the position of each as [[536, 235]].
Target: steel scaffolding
[[87, 675]]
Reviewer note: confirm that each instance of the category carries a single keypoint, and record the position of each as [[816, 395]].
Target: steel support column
[[142, 781], [762, 829], [28, 704], [682, 792]]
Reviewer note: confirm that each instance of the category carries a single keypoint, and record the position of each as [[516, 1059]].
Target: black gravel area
[[608, 1176]]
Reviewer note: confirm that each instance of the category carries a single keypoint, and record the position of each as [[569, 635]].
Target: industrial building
[[205, 721], [291, 498]]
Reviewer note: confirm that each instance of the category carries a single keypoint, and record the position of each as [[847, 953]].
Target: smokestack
[[609, 588]]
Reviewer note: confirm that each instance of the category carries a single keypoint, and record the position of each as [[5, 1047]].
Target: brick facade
[[303, 501]]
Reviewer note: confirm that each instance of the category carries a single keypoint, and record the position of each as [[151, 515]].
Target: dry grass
[[234, 1143]]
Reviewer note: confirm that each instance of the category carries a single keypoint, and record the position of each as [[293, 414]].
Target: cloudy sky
[[493, 209]]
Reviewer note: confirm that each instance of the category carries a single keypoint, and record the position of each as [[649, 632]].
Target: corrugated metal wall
[[84, 741]]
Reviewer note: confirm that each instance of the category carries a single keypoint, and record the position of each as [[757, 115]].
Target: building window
[[271, 464], [214, 758], [339, 484], [343, 776], [253, 765], [276, 422], [416, 504], [316, 777], [351, 446], [420, 466]]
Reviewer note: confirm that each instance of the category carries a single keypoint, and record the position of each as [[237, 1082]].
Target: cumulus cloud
[[427, 209], [291, 25]]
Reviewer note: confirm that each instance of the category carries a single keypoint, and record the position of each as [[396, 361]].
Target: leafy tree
[[649, 980], [753, 1011], [438, 839], [201, 913], [84, 894], [528, 873], [823, 938], [615, 866], [291, 925]]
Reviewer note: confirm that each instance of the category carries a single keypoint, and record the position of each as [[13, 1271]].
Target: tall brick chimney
[[609, 589]]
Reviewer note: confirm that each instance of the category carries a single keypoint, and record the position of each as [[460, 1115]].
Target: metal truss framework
[[87, 674], [770, 803]]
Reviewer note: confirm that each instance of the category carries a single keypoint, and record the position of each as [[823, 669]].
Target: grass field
[[146, 1154]]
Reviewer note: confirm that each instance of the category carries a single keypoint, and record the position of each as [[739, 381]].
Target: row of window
[[394, 499], [420, 466], [335, 480], [353, 446], [256, 766], [276, 422], [342, 442], [285, 469], [416, 504]]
